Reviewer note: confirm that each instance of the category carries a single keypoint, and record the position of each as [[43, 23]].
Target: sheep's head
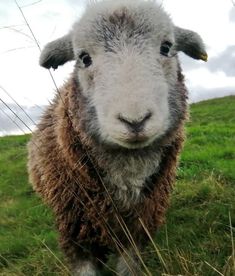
[[127, 67]]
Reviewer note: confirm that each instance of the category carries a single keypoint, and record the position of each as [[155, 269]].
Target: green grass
[[26, 226], [198, 236]]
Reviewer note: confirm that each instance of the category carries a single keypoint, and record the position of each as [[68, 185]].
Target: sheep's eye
[[165, 48], [86, 59]]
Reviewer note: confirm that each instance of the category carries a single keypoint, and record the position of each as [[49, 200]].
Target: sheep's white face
[[130, 95], [127, 69], [128, 81]]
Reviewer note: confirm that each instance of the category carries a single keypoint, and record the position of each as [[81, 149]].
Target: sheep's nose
[[135, 126]]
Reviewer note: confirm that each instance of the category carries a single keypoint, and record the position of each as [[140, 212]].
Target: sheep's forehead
[[107, 24]]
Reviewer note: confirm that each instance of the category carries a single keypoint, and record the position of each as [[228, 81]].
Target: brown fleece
[[64, 171]]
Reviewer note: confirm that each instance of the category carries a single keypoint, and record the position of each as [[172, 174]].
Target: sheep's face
[[129, 92], [126, 75], [127, 70]]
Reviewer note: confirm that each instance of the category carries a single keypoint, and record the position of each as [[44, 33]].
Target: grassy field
[[198, 236]]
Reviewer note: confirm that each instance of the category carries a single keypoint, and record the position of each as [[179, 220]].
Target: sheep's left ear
[[190, 43]]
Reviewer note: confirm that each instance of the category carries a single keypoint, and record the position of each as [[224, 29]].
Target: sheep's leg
[[81, 263], [85, 268], [128, 264]]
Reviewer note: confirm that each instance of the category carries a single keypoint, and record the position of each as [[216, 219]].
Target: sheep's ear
[[57, 52], [190, 43]]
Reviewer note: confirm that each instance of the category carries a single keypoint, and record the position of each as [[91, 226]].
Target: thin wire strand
[[27, 115], [14, 122], [31, 4], [20, 32], [31, 31], [16, 49], [11, 26], [16, 115]]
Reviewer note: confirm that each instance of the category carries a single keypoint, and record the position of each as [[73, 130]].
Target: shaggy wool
[[64, 170]]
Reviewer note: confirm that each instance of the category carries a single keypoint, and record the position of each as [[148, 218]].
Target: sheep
[[105, 152]]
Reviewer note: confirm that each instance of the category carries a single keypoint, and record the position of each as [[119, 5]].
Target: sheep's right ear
[[57, 52]]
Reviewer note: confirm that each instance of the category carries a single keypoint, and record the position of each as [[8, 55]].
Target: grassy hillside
[[198, 236]]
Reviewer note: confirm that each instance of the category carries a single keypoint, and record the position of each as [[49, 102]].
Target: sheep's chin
[[135, 145]]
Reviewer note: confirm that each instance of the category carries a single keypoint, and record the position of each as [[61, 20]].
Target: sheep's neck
[[126, 176]]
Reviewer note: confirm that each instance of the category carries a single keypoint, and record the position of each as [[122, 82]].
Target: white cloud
[[199, 93], [209, 79], [232, 14], [18, 120]]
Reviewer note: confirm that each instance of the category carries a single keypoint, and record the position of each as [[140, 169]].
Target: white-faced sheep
[[105, 152]]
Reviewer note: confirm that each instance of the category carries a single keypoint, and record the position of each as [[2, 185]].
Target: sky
[[31, 86]]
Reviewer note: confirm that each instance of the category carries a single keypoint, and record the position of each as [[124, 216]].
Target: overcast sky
[[31, 85]]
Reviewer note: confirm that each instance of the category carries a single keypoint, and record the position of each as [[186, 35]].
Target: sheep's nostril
[[135, 126]]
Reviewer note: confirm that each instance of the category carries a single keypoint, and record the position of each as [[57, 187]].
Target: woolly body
[[62, 173], [83, 158]]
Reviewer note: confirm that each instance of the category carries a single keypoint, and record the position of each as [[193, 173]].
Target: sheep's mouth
[[137, 142]]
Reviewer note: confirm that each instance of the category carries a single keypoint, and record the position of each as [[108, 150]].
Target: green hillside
[[198, 238]]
